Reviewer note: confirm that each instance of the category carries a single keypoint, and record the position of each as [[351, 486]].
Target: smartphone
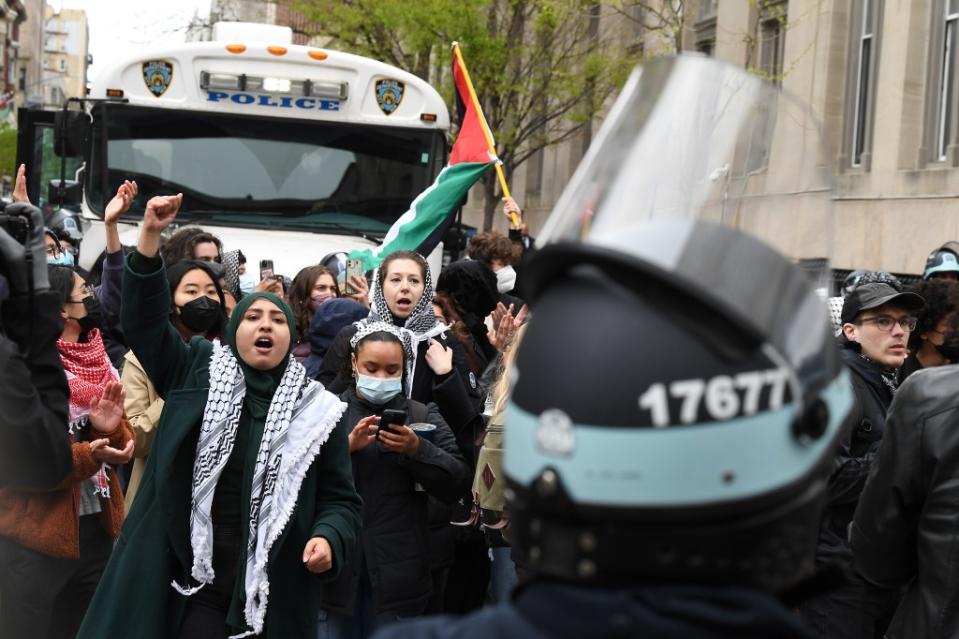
[[353, 268], [390, 417], [266, 270]]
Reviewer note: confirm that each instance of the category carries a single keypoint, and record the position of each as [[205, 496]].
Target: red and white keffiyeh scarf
[[88, 371]]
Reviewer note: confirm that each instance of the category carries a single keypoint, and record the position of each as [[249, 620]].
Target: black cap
[[874, 295]]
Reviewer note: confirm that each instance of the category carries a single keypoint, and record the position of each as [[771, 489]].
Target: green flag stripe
[[426, 213]]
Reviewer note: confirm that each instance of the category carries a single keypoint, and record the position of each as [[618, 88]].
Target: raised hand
[[20, 186], [505, 326], [270, 285], [359, 284], [512, 212], [106, 412], [499, 312], [439, 358], [160, 212], [364, 433], [520, 318], [318, 556], [120, 203]]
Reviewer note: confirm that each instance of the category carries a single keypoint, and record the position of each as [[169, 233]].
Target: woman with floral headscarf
[[247, 499]]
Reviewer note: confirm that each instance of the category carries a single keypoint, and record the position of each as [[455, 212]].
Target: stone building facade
[[65, 55], [880, 78]]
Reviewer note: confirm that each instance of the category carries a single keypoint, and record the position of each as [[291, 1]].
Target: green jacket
[[135, 597]]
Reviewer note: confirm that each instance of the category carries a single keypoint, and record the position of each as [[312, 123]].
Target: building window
[[705, 27], [772, 39], [534, 173], [637, 19], [861, 73], [945, 120], [63, 64], [940, 130]]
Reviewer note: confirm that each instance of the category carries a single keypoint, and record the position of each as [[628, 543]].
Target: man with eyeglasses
[[877, 320]]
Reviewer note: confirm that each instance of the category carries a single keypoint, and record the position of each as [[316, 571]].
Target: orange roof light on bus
[[277, 50], [316, 54], [236, 48]]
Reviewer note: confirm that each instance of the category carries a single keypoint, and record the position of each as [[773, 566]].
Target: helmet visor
[[693, 138]]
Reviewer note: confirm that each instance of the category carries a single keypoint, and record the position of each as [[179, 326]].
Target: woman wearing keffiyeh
[[437, 371], [56, 544], [402, 295], [395, 470], [247, 497]]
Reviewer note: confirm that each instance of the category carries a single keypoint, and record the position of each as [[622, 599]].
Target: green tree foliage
[[8, 150], [541, 68]]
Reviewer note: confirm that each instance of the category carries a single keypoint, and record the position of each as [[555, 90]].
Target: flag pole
[[486, 132]]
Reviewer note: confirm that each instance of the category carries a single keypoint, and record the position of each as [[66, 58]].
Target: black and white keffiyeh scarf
[[300, 419], [231, 272], [420, 326], [382, 327]]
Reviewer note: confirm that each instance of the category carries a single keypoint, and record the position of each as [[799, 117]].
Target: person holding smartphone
[[394, 469]]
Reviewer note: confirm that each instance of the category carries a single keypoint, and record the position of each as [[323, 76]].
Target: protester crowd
[[198, 430], [287, 459]]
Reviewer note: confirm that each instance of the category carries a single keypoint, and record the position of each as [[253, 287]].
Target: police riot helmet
[[689, 436], [67, 221], [942, 261]]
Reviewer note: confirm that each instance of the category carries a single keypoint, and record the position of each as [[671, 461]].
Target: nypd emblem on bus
[[158, 74], [389, 94]]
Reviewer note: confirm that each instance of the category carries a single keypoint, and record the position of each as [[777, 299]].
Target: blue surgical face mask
[[378, 390], [63, 259], [247, 283]]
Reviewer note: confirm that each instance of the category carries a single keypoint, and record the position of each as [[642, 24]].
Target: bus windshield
[[237, 170]]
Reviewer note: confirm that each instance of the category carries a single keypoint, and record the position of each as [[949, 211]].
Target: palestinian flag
[[422, 226]]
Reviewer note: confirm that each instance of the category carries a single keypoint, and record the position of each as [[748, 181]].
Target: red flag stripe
[[471, 144]]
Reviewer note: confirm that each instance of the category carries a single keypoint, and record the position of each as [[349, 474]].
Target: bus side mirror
[[72, 133], [71, 194]]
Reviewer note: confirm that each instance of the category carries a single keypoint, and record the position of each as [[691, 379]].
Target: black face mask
[[201, 315], [950, 346], [92, 318]]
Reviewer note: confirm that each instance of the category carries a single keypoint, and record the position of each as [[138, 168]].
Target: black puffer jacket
[[905, 528], [393, 545], [857, 450]]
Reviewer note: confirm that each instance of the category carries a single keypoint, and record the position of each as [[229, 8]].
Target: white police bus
[[286, 152]]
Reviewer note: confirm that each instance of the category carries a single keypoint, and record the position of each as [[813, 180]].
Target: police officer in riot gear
[[668, 481]]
